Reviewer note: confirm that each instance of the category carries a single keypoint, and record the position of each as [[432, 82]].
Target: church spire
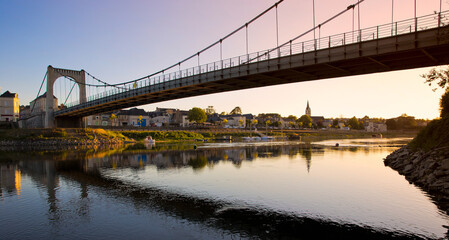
[[308, 110]]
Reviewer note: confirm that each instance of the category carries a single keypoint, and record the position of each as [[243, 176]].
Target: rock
[[444, 164], [408, 168]]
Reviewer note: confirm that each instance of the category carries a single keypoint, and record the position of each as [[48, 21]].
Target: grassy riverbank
[[88, 134], [60, 134]]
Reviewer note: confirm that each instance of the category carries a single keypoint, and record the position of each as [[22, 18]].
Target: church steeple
[[308, 110]]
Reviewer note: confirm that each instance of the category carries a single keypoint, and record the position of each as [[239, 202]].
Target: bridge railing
[[366, 34]]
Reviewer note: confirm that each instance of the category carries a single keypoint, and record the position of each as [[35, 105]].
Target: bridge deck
[[406, 51]]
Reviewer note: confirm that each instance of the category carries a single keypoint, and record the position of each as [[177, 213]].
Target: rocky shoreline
[[428, 170]]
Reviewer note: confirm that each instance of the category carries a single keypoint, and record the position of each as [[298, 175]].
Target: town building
[[9, 107], [375, 127], [133, 117], [103, 119], [235, 121], [316, 120], [308, 110], [38, 105]]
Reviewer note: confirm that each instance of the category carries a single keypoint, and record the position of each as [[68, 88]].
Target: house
[[38, 105], [161, 116], [180, 118], [215, 118], [133, 117], [104, 119], [9, 107], [375, 127], [235, 121]]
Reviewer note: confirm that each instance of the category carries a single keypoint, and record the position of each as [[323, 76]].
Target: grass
[[60, 134], [435, 135], [163, 135]]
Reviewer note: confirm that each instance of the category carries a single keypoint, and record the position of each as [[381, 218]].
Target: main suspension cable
[[43, 80], [308, 31]]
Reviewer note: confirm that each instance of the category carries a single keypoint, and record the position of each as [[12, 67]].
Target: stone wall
[[35, 121]]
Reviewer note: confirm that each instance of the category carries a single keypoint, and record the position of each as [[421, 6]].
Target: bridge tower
[[52, 75]]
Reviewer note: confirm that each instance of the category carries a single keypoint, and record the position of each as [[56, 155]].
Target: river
[[253, 190]]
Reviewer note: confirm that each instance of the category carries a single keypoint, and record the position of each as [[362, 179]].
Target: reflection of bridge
[[413, 43]]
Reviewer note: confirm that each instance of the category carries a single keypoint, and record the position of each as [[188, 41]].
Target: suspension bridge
[[412, 43]]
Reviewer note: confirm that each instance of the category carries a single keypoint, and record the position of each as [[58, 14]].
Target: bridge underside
[[70, 122], [407, 51]]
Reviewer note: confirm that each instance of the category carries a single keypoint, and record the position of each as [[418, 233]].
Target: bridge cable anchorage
[[43, 80], [308, 31]]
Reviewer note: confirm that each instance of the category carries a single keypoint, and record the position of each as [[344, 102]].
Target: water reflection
[[136, 157], [81, 174], [10, 180]]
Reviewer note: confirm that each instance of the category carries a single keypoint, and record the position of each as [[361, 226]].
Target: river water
[[263, 190]]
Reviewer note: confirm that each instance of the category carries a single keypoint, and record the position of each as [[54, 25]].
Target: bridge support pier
[[52, 74]]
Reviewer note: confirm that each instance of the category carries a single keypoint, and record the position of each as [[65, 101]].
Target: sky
[[118, 41]]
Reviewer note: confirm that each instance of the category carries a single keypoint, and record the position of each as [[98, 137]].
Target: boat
[[149, 139]]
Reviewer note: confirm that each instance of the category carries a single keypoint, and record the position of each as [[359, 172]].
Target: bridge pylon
[[52, 75]]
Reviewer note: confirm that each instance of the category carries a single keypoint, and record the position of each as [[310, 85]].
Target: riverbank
[[427, 169], [43, 139], [64, 138], [425, 161]]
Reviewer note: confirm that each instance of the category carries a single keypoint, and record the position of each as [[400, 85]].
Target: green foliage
[[197, 115], [163, 135], [292, 118], [433, 136], [198, 163], [441, 76], [391, 124], [353, 123], [236, 110], [335, 123], [444, 105], [305, 120]]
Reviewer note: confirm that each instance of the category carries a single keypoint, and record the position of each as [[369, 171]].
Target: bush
[[162, 135], [444, 104], [433, 136]]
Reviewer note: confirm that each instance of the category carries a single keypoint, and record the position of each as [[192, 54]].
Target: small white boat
[[267, 138], [149, 139]]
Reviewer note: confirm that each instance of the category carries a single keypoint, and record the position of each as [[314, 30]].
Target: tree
[[391, 124], [241, 122], [139, 120], [444, 105], [268, 122], [210, 110], [292, 124], [197, 115], [277, 123], [305, 120], [353, 123], [225, 121], [113, 117], [236, 110], [441, 76], [335, 123], [292, 118]]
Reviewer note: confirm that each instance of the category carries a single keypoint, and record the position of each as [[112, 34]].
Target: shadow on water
[[83, 167]]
